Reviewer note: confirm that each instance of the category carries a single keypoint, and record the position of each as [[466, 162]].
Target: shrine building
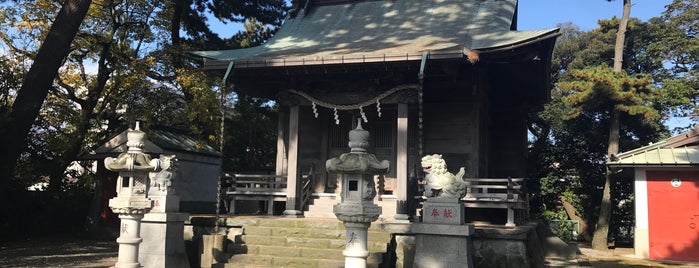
[[449, 77]]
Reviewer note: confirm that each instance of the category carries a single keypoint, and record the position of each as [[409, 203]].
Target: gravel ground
[[80, 250], [59, 251], [621, 257]]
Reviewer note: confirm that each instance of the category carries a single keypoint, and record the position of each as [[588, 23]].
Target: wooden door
[[673, 215]]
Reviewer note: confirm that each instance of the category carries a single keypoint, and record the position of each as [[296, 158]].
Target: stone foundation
[[497, 246], [494, 246]]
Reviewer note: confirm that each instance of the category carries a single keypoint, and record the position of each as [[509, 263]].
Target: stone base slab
[[443, 245], [163, 240]]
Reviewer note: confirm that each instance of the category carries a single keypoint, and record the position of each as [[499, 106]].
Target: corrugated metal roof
[[366, 31], [660, 156], [680, 150]]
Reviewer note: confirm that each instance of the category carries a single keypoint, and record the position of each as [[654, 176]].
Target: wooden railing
[[497, 193], [260, 187], [263, 187], [505, 193], [306, 188]]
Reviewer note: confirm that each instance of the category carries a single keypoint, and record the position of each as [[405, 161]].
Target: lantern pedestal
[[129, 239], [131, 202], [357, 209], [163, 240]]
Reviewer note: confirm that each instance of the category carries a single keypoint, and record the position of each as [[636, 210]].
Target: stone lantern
[[357, 209], [131, 202]]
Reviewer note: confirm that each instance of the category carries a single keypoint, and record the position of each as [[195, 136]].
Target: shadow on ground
[[83, 250], [620, 257], [77, 250], [625, 263]]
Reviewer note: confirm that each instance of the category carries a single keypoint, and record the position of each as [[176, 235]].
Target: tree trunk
[[87, 113], [573, 215], [600, 238], [70, 153], [621, 37], [175, 27], [37, 83]]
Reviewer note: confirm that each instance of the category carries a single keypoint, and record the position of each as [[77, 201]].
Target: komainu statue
[[439, 179], [163, 179]]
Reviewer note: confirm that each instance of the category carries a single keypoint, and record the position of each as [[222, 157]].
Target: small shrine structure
[[198, 170], [665, 178], [452, 77]]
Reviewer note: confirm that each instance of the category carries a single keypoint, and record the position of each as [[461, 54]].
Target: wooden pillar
[[280, 167], [292, 199], [402, 163]]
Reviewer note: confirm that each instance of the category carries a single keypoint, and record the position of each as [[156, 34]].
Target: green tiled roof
[[364, 31], [178, 140], [680, 150], [159, 138], [686, 155]]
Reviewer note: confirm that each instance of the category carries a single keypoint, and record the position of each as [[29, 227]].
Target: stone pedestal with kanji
[[162, 229], [442, 239]]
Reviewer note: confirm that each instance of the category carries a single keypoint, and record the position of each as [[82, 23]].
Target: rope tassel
[[315, 110], [337, 117], [361, 111]]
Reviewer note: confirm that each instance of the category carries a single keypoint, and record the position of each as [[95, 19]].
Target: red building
[[666, 187]]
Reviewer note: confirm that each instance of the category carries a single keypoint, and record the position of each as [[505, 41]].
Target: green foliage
[[191, 16], [601, 89], [675, 41], [251, 134], [623, 217], [202, 112], [571, 134], [125, 64], [255, 34], [123, 69], [11, 74], [42, 213]]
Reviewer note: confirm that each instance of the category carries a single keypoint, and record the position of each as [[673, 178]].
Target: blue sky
[[542, 14]]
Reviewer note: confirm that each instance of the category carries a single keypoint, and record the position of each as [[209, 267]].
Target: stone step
[[304, 242], [237, 261], [373, 233], [317, 223], [281, 222], [302, 252], [322, 207], [321, 210], [293, 242]]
